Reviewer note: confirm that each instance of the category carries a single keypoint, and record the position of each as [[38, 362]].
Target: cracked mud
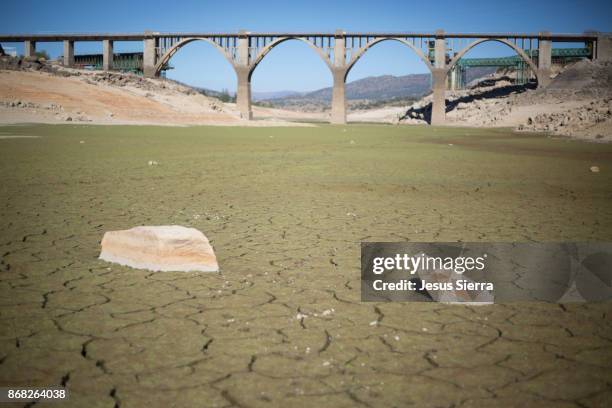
[[282, 323]]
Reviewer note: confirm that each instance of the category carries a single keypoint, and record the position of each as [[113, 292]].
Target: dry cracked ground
[[282, 324]]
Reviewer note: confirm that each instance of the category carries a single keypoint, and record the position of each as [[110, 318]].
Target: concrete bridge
[[440, 51]]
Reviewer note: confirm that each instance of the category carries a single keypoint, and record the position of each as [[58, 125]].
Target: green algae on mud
[[286, 210], [417, 182]]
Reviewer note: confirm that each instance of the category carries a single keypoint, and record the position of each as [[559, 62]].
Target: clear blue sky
[[293, 65]]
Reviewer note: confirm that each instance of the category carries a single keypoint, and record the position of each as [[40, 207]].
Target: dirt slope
[[62, 95]]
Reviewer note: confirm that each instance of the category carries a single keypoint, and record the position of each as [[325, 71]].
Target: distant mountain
[[369, 92], [382, 87], [260, 96], [371, 88], [361, 93]]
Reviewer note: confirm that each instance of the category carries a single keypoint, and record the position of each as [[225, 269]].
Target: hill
[[370, 91], [41, 92]]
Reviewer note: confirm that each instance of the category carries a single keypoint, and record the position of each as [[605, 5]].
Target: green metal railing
[[124, 62], [559, 55]]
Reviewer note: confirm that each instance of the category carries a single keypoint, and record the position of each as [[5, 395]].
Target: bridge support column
[[243, 93], [544, 60], [68, 53], [438, 104], [604, 47], [107, 55], [243, 72], [148, 58], [454, 72], [29, 49], [338, 106], [438, 81]]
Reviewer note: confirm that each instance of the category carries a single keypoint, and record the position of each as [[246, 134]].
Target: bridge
[[340, 50], [560, 56]]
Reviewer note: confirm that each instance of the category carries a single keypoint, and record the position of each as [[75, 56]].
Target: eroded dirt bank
[[39, 93]]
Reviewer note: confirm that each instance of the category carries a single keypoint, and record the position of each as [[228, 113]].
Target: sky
[[293, 65]]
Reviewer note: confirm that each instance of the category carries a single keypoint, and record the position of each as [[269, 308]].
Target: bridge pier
[[148, 58], [544, 60], [243, 92], [107, 55], [604, 47], [243, 73], [453, 78], [438, 80], [339, 71], [68, 53], [29, 49], [438, 104], [338, 106]]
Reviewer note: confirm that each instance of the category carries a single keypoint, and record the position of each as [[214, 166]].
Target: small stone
[[594, 169], [160, 248]]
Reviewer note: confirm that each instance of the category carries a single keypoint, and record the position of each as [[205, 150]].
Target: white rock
[[160, 248], [594, 169]]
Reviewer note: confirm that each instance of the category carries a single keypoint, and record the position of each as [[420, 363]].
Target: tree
[[42, 55], [224, 96]]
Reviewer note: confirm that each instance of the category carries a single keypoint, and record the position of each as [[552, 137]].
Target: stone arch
[[170, 53], [260, 56], [369, 45], [518, 51]]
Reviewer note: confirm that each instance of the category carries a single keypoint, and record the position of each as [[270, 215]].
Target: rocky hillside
[[577, 103]]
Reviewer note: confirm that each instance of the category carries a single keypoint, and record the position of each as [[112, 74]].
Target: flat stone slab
[[160, 248]]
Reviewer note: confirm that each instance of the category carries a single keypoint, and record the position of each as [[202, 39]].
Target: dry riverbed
[[286, 209]]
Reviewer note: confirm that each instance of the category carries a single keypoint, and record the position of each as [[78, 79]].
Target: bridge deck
[[562, 37]]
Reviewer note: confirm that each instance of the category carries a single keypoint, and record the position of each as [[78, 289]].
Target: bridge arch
[[170, 53], [473, 44], [369, 45], [265, 50]]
